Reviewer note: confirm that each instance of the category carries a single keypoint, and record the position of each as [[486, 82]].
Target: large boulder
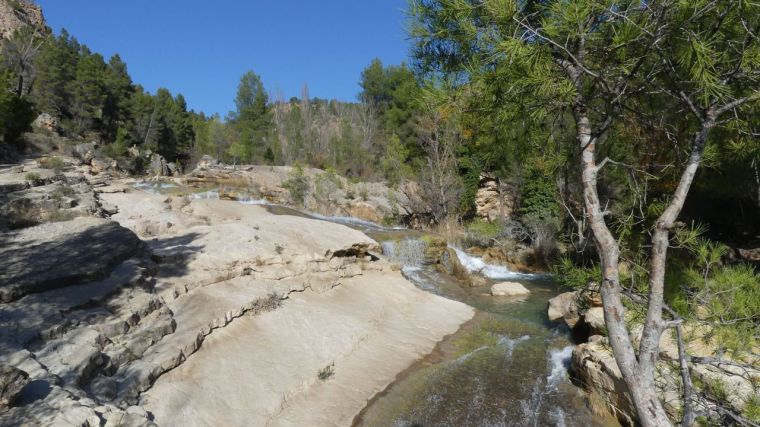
[[12, 381], [47, 123], [595, 368], [594, 318], [564, 307], [157, 165], [85, 152], [509, 289], [490, 202]]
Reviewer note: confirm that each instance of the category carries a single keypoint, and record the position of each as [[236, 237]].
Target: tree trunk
[[642, 388]]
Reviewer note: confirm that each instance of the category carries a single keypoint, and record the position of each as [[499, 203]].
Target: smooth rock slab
[[263, 370]]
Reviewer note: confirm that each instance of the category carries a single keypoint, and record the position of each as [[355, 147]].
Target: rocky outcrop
[[323, 193], [17, 14], [493, 202], [47, 123], [509, 289], [109, 328], [12, 381], [564, 307]]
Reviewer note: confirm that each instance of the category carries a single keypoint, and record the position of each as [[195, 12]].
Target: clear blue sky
[[200, 48]]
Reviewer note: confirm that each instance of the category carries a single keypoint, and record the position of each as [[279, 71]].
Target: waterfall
[[408, 252], [475, 264], [560, 363]]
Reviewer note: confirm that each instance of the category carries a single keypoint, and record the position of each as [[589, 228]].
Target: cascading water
[[475, 264], [408, 252]]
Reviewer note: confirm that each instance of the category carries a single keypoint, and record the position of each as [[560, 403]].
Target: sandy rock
[[594, 318], [47, 123], [560, 305], [509, 289], [490, 203]]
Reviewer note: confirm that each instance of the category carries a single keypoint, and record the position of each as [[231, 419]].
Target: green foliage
[[55, 163], [252, 120], [572, 276], [394, 162], [16, 114], [32, 177], [297, 184], [752, 408]]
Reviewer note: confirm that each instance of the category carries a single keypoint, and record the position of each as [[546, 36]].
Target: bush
[[32, 177], [55, 163], [327, 372], [297, 184]]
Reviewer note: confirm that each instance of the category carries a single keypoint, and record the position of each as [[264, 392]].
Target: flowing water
[[506, 367]]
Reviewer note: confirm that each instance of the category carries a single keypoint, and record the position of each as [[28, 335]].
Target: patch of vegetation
[[752, 408], [279, 249], [61, 191], [32, 177], [327, 372], [55, 163], [297, 184]]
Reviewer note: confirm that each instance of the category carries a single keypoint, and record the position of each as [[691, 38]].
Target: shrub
[[32, 177], [297, 184], [327, 372], [55, 163]]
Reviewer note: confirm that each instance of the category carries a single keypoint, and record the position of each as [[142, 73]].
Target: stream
[[508, 366]]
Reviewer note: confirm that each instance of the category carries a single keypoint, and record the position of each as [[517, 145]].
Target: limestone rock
[[561, 305], [158, 166], [565, 307], [17, 15], [85, 152], [490, 203], [596, 369], [12, 381], [509, 289], [47, 123], [594, 318], [55, 255]]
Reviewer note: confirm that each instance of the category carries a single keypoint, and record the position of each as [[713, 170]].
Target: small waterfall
[[206, 195], [475, 264], [560, 363], [408, 252]]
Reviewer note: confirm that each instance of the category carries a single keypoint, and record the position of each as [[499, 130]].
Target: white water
[[560, 363], [349, 220], [407, 252], [475, 264], [510, 343], [152, 187]]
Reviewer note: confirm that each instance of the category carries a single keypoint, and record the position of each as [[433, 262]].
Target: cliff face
[[16, 14]]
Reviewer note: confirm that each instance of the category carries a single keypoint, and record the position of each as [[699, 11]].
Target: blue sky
[[200, 48]]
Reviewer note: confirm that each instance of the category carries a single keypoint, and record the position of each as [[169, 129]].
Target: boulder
[[85, 152], [490, 203], [595, 368], [509, 289], [564, 307], [157, 165], [47, 123], [594, 318], [205, 163], [12, 381]]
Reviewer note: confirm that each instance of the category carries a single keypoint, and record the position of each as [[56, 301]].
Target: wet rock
[[12, 381], [509, 289]]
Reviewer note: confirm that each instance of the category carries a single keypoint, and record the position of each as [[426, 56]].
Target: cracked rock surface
[[203, 312]]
